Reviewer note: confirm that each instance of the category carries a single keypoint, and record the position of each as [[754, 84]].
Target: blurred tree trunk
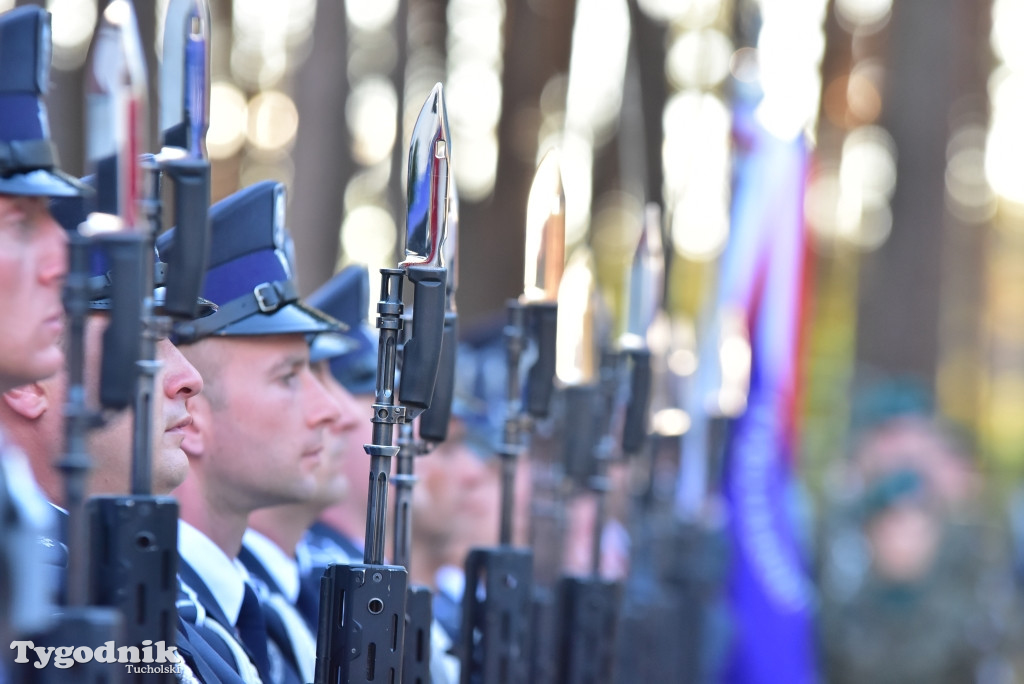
[[898, 331], [323, 161], [538, 37]]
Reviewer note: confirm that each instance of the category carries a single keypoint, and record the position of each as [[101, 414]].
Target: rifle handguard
[[122, 340], [494, 637], [634, 431], [186, 272], [361, 624], [588, 612], [422, 350], [541, 376], [136, 568], [434, 421], [582, 407], [416, 651]]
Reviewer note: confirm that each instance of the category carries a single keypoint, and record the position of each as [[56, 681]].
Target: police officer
[[915, 580], [257, 434], [273, 548], [33, 262], [270, 547], [33, 415], [456, 500]]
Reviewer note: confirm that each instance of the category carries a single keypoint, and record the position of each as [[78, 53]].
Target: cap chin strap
[[22, 156], [265, 298]]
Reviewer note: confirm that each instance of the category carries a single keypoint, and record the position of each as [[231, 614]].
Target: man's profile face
[[449, 490], [111, 445], [261, 439], [33, 263], [332, 480]]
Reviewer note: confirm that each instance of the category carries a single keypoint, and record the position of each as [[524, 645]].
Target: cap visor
[[330, 345], [356, 370], [41, 183], [295, 317]]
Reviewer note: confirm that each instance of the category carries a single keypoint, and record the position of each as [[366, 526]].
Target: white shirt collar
[[284, 570], [225, 577], [451, 580]]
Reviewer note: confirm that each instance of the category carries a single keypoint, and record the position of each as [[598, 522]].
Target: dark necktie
[[252, 630], [308, 602]]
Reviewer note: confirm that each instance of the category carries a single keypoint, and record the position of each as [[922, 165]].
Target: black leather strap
[[265, 298]]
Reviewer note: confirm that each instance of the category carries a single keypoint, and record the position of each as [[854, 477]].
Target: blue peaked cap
[[28, 159], [250, 275], [481, 380], [346, 297]]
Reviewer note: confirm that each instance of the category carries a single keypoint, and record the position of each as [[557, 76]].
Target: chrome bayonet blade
[[429, 184], [545, 232], [116, 114], [185, 77], [645, 280], [450, 247], [576, 350]]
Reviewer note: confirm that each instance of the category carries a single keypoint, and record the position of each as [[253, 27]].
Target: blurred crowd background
[[910, 404]]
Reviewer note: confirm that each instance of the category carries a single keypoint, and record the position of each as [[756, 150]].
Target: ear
[[29, 401], [197, 432]]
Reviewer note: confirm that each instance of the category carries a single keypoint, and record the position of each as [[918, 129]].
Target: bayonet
[[576, 359], [184, 121], [185, 77], [646, 278], [428, 186], [544, 265], [116, 116], [645, 290], [545, 232]]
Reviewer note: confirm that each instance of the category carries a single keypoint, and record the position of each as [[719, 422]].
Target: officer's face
[[448, 494], [332, 482], [111, 446], [33, 262], [258, 436]]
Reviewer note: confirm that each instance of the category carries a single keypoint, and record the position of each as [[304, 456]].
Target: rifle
[[135, 568], [363, 610], [496, 605], [590, 606], [650, 620], [587, 607], [580, 404]]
